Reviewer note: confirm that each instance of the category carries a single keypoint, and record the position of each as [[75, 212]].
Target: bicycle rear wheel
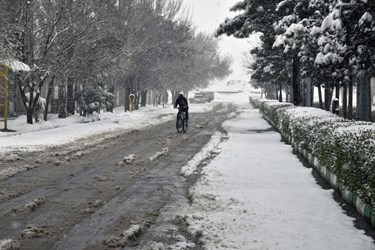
[[179, 124], [184, 125]]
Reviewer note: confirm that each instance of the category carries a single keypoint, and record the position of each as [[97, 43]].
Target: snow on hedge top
[[272, 103], [310, 113], [356, 128], [366, 18], [281, 4], [277, 103], [314, 116]]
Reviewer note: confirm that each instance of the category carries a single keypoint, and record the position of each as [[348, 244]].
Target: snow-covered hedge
[[342, 149]]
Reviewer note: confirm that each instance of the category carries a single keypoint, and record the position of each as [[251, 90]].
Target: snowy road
[[139, 189], [105, 194]]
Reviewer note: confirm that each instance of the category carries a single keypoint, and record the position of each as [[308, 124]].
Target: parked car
[[199, 98], [208, 95]]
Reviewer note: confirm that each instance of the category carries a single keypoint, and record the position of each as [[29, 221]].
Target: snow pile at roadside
[[155, 156], [257, 195], [8, 172], [11, 158], [129, 159], [126, 236], [7, 245], [192, 165]]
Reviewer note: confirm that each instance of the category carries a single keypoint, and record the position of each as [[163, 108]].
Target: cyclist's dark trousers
[[186, 110]]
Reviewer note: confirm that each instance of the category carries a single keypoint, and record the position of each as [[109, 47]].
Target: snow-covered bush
[[346, 148], [90, 100], [270, 108], [39, 108], [93, 98], [306, 125], [109, 99]]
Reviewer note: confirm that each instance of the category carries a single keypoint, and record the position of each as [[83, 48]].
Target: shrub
[[346, 148]]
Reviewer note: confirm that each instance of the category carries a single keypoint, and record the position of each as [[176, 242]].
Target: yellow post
[[131, 102], [4, 74]]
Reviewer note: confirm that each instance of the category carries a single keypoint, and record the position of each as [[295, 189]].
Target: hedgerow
[[346, 148]]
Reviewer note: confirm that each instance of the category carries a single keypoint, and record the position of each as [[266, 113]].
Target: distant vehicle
[[208, 95], [202, 97], [199, 98]]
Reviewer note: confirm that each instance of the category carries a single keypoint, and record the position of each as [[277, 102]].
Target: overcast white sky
[[207, 16]]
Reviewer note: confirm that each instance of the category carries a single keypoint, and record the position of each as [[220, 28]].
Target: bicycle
[[181, 122]]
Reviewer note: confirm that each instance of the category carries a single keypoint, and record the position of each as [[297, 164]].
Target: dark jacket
[[181, 101]]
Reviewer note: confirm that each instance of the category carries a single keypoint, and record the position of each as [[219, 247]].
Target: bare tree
[[144, 44]]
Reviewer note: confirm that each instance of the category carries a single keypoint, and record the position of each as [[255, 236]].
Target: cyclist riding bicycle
[[182, 104]]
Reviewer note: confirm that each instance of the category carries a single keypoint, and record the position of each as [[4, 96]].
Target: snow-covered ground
[[254, 195], [257, 195]]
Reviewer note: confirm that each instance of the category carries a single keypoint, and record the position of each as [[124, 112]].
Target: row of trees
[[327, 43], [142, 45]]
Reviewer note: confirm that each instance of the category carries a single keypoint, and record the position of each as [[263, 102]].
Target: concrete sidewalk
[[256, 194]]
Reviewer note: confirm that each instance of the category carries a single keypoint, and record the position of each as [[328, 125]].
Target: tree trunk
[[62, 102], [295, 82], [143, 98], [309, 99], [345, 100], [335, 102], [350, 101], [327, 98], [364, 98], [280, 92], [25, 103], [165, 98], [128, 90], [276, 92], [137, 92], [320, 96], [30, 110], [127, 93], [337, 92], [48, 98], [70, 106], [126, 99], [34, 104], [153, 97], [287, 96], [137, 97], [29, 116]]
